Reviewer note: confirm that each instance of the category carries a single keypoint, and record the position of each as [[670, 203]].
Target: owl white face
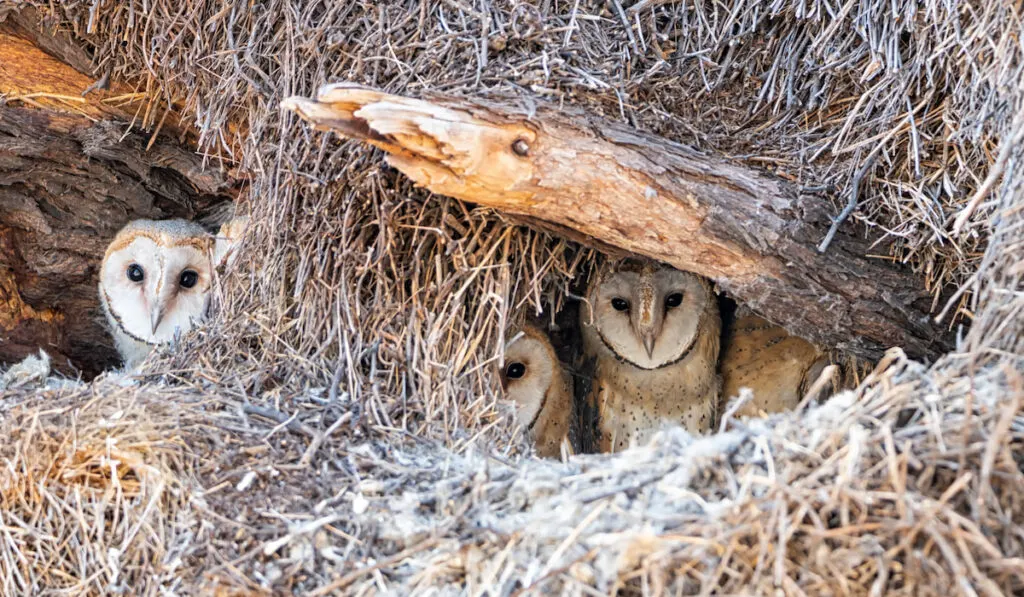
[[528, 373], [646, 313], [156, 278]]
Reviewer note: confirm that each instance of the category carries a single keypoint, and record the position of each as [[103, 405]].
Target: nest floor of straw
[[910, 484]]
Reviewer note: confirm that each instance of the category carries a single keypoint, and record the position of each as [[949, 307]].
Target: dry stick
[[625, 25], [101, 83], [537, 583], [646, 4], [272, 546], [956, 296], [307, 457], [275, 415], [851, 203], [572, 24], [733, 407], [635, 486], [824, 378], [574, 536], [994, 174], [339, 371], [43, 95], [996, 441], [353, 576]]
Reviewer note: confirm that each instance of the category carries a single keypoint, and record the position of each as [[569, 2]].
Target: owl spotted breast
[[777, 367], [653, 332], [535, 381], [154, 283]]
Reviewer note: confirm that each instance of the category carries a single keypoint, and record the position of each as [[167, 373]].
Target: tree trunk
[[71, 174], [753, 234]]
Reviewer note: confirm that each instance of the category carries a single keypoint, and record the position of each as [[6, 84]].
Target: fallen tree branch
[[755, 235]]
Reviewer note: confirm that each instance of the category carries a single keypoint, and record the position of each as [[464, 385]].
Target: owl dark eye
[[515, 370], [188, 279], [674, 300], [620, 304], [135, 273]]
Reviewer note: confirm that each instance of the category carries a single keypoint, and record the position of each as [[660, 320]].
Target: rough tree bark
[[72, 172], [755, 235]]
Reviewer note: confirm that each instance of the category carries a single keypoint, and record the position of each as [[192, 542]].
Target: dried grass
[[336, 429], [93, 495]]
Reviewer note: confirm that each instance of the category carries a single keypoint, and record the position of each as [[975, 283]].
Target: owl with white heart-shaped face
[[534, 379], [654, 334], [155, 283]]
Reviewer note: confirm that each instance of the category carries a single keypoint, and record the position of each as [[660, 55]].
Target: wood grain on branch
[[48, 70], [25, 22], [31, 75], [755, 235]]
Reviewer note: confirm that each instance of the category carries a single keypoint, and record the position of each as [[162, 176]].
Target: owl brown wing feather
[[774, 364]]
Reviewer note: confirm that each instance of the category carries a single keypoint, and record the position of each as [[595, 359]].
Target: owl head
[[530, 372], [155, 278], [646, 313]]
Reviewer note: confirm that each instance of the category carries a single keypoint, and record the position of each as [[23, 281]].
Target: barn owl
[[535, 381], [777, 367], [653, 334], [154, 282]]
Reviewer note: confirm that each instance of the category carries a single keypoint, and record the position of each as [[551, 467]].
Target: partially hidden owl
[[777, 367], [534, 379], [652, 333], [155, 283]]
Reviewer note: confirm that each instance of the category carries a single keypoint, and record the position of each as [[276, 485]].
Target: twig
[[851, 204], [994, 173], [826, 377], [351, 577], [733, 407], [630, 488], [996, 442], [956, 296], [307, 456], [275, 415], [43, 95], [102, 83]]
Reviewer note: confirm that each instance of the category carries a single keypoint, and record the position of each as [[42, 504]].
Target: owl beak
[[157, 316], [647, 322], [648, 338]]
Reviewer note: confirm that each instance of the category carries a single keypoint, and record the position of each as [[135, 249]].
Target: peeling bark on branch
[[24, 22], [753, 234]]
